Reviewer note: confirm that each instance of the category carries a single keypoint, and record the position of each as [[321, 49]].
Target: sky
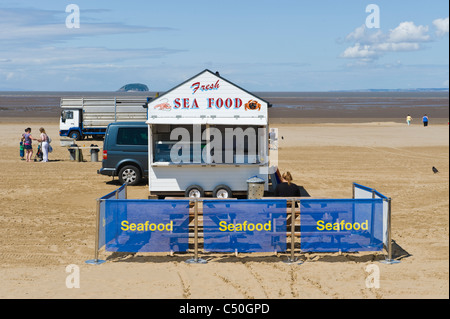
[[260, 45]]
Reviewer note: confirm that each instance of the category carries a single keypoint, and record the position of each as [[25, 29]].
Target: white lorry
[[81, 117]]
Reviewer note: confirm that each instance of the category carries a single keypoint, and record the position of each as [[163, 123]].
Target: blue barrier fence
[[120, 193], [146, 225], [326, 225], [341, 225], [244, 225]]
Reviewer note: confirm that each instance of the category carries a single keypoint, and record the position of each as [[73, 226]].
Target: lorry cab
[[125, 152], [69, 123]]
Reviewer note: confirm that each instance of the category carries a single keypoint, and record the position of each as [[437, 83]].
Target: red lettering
[[194, 104], [237, 103], [185, 103], [208, 87], [228, 103], [176, 103], [210, 103], [219, 103], [195, 86]]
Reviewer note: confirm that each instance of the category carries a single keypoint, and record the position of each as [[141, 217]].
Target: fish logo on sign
[[252, 105], [164, 106]]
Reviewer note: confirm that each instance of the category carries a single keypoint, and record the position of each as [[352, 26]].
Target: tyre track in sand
[[186, 288]]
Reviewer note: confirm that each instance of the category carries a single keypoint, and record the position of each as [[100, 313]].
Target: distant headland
[[133, 87]]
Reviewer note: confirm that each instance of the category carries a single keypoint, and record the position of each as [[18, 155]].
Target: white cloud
[[35, 41], [364, 35], [359, 51], [441, 26], [35, 27], [396, 47], [409, 32], [370, 45]]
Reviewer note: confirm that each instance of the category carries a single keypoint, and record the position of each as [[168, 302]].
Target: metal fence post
[[389, 260], [96, 261], [196, 260]]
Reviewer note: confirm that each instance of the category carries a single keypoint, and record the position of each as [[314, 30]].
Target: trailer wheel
[[129, 175], [222, 191], [194, 191]]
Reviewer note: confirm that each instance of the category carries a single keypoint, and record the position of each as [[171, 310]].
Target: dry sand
[[48, 220]]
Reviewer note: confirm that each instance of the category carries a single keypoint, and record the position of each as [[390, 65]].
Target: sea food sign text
[[213, 95]]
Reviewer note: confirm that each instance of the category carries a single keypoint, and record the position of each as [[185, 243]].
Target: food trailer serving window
[[186, 139], [209, 144]]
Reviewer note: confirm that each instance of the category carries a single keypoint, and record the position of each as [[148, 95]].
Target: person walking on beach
[[425, 120], [44, 144], [408, 119], [27, 144], [286, 188]]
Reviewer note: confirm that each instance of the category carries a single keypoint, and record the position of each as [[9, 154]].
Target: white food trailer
[[207, 136]]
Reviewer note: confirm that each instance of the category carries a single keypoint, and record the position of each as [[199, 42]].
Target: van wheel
[[222, 191], [194, 191], [129, 175]]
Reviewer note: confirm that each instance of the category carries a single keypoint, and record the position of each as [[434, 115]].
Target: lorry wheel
[[75, 135], [194, 191], [129, 175], [222, 191]]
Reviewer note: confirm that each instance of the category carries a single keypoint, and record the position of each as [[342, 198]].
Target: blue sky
[[261, 45]]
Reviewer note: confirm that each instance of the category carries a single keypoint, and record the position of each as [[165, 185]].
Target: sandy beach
[[48, 216]]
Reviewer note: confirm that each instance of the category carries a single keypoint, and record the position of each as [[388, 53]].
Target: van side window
[[132, 136]]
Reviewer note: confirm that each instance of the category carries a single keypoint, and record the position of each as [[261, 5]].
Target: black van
[[125, 152]]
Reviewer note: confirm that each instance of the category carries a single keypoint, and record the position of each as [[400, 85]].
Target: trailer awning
[[262, 121]]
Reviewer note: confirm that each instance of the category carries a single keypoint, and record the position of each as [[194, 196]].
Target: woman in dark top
[[27, 142], [287, 188]]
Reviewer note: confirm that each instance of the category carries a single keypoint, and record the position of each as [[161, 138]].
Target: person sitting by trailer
[[287, 188]]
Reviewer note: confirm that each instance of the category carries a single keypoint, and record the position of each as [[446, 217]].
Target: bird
[[435, 170]]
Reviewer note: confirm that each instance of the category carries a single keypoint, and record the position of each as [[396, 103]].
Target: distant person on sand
[[286, 188], [44, 142], [27, 144], [408, 119], [425, 120]]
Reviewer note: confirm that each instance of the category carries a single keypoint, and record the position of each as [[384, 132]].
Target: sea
[[48, 102]]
